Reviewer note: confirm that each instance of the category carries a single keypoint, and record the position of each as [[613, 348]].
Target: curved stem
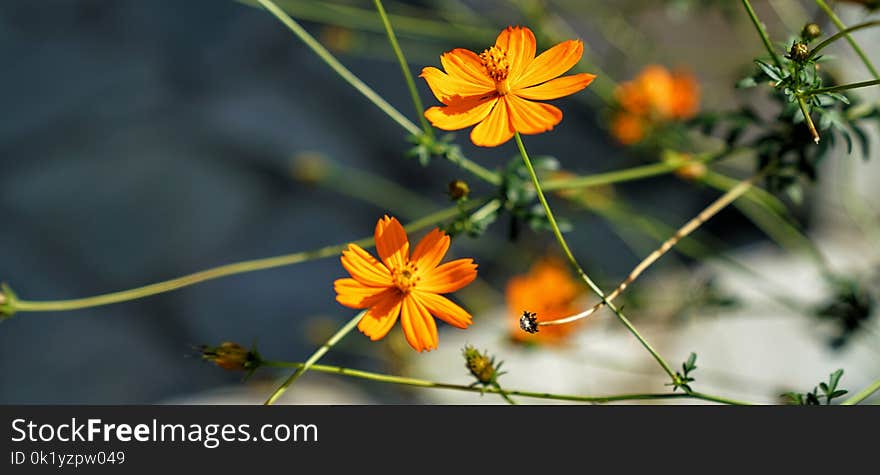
[[571, 259], [855, 46], [863, 394], [404, 67], [341, 70], [339, 335], [844, 87], [422, 383], [762, 33], [682, 232], [844, 32], [17, 305]]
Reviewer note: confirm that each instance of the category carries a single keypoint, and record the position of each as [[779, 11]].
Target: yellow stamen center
[[405, 279], [497, 67]]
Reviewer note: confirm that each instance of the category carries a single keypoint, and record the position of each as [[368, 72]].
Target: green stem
[[504, 395], [805, 111], [763, 33], [844, 32], [571, 259], [357, 18], [404, 67], [339, 335], [607, 178], [855, 46], [863, 394], [421, 383], [456, 157], [844, 87], [341, 70], [17, 305]]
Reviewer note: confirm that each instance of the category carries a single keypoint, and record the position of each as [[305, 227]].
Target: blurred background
[[147, 140]]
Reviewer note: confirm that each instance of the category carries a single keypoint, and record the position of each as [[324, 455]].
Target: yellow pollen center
[[405, 279], [497, 67]]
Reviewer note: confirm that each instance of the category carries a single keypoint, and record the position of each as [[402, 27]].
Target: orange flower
[[404, 285], [496, 89], [655, 95], [627, 128], [549, 291]]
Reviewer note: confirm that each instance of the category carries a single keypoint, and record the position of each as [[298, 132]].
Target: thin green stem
[[855, 46], [863, 394], [504, 395], [364, 19], [607, 178], [341, 70], [763, 33], [17, 305], [571, 259], [421, 383], [404, 68], [844, 87], [840, 34], [456, 157], [339, 335], [806, 112]]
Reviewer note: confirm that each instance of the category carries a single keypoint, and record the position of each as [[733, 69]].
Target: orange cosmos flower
[[496, 89], [550, 291], [404, 285], [655, 96]]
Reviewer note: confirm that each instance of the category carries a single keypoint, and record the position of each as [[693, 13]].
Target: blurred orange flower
[[654, 96], [404, 285], [496, 89], [550, 291]]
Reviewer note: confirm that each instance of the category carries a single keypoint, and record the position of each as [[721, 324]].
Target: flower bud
[[458, 189], [799, 51], [480, 365], [231, 356], [811, 31]]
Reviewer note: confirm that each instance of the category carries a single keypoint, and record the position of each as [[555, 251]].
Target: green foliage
[[850, 308], [812, 398], [683, 377], [520, 198]]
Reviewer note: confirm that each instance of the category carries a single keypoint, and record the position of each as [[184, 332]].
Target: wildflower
[[656, 96], [548, 292], [231, 356], [404, 285], [497, 89]]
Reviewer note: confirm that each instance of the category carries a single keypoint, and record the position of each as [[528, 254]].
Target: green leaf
[[771, 71]]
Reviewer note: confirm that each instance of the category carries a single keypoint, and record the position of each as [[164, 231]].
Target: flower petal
[[444, 309], [430, 250], [364, 267], [530, 117], [418, 325], [391, 243], [519, 43], [379, 320], [448, 88], [551, 63], [449, 277], [556, 88], [354, 294], [495, 129], [465, 65], [460, 113]]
